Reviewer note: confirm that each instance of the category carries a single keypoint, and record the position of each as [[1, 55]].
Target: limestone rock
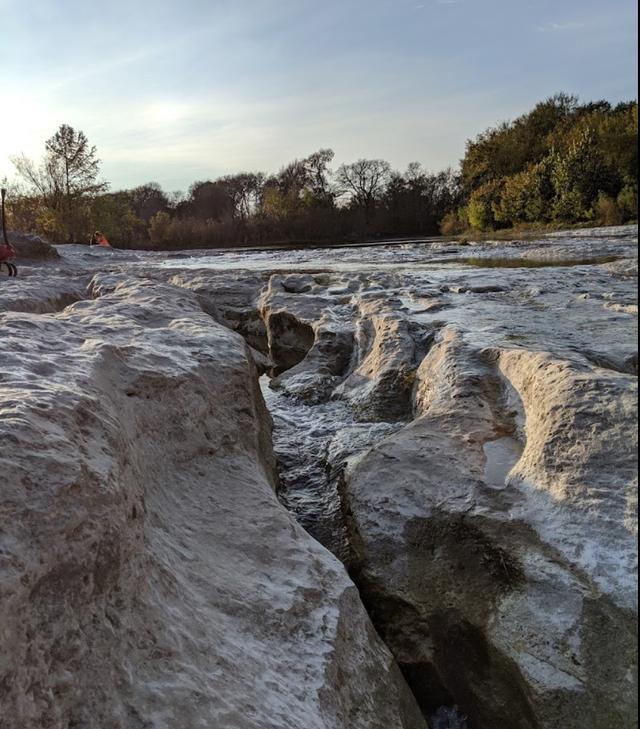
[[324, 365], [149, 576], [389, 349], [40, 294], [516, 601], [230, 300]]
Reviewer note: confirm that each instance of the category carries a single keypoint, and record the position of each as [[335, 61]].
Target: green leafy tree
[[511, 147], [526, 197], [579, 175], [562, 160], [480, 210]]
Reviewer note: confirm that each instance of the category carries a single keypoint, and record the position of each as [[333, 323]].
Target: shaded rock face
[[149, 576], [289, 339], [516, 602]]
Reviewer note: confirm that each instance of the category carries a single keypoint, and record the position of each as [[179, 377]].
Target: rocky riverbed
[[431, 521]]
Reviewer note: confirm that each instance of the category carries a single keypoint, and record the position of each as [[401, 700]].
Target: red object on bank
[[7, 252]]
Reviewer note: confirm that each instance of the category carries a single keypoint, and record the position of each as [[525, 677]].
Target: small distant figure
[[99, 239]]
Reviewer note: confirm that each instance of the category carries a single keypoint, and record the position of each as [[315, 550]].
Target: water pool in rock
[[502, 455]]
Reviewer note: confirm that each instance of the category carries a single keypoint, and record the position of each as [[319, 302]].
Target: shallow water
[[301, 437], [603, 245], [494, 262], [502, 455]]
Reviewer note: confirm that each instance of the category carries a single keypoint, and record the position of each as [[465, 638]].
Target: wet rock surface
[[456, 422]]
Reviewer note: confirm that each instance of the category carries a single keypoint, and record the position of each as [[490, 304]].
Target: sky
[[189, 90]]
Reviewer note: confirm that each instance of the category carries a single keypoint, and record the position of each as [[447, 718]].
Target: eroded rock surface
[[518, 602], [149, 576], [464, 414], [506, 588]]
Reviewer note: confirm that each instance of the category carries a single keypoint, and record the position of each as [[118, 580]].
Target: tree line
[[64, 199], [563, 163]]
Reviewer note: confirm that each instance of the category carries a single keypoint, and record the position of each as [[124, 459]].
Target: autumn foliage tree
[[563, 162], [65, 181]]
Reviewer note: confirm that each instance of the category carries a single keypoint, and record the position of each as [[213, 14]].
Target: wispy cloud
[[206, 87], [553, 27]]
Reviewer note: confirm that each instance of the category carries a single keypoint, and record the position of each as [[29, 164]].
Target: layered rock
[[41, 294], [337, 336], [389, 350], [232, 301], [149, 576], [515, 600]]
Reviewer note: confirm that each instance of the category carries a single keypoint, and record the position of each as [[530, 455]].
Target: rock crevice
[[149, 574]]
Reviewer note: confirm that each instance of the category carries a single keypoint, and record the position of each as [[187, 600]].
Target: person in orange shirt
[[99, 239]]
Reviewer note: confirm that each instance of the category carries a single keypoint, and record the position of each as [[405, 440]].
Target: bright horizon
[[191, 91]]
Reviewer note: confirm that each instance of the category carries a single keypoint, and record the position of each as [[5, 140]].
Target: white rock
[[520, 602], [148, 574]]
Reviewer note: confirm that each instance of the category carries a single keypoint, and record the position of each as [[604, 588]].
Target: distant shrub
[[628, 202], [607, 211], [454, 222]]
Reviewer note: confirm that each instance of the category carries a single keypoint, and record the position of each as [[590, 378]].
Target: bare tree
[[364, 181], [244, 190], [73, 162]]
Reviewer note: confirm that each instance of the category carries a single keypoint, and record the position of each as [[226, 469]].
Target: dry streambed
[[461, 437]]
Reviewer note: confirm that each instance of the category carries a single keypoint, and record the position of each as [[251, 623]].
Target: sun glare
[[23, 129], [164, 113]]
